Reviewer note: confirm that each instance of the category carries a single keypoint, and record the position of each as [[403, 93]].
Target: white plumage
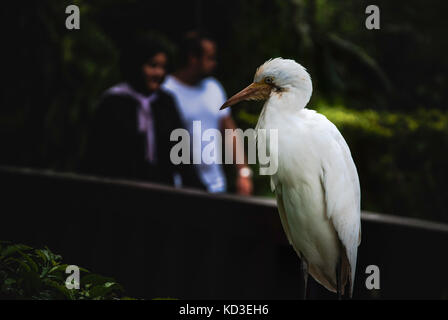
[[316, 184]]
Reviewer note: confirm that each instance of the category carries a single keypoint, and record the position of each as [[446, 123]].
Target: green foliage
[[39, 274], [387, 124], [397, 156]]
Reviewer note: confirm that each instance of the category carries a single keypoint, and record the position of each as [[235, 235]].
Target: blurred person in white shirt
[[199, 96]]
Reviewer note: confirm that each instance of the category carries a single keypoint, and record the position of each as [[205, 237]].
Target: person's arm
[[244, 185]]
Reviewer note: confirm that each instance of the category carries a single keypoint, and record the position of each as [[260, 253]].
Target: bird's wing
[[281, 209], [340, 183]]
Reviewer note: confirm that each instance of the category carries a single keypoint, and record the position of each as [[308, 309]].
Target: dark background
[[190, 244], [385, 89]]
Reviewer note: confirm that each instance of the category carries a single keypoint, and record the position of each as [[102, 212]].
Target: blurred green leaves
[[387, 123], [28, 273], [396, 155]]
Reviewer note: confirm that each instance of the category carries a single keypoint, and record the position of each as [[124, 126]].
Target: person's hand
[[244, 185]]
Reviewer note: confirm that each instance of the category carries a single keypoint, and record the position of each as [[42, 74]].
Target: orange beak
[[256, 91]]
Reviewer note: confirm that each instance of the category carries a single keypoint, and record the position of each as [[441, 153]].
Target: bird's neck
[[290, 100], [281, 106]]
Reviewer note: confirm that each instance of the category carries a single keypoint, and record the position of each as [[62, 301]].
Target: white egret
[[316, 183]]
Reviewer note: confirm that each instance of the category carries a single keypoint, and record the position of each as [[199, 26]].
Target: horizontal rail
[[260, 201]]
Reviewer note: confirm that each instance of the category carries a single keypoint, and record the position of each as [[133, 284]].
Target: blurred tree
[[54, 76]]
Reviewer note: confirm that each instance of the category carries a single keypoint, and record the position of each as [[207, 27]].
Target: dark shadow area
[[163, 242]]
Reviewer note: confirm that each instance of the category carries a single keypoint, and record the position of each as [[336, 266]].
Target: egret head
[[276, 77]]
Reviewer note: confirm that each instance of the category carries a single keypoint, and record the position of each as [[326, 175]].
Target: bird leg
[[305, 278], [339, 278]]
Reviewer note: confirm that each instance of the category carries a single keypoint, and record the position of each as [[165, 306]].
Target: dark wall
[[162, 242]]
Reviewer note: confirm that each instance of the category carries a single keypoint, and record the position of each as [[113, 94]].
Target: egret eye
[[269, 80]]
